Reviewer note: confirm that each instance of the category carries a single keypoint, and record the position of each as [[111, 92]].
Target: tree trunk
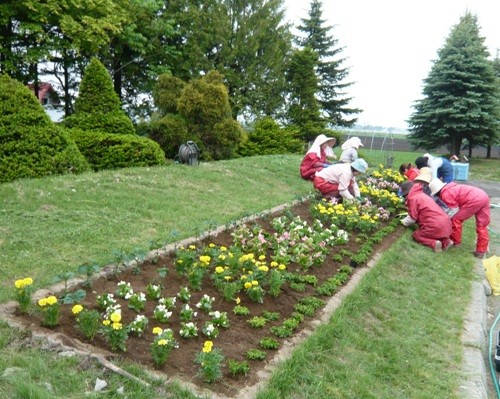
[[470, 150], [117, 81], [456, 147], [67, 95], [488, 151]]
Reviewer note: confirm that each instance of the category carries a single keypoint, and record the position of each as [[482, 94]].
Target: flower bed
[[220, 308]]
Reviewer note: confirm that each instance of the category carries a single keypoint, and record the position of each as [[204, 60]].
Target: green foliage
[[269, 343], [241, 310], [271, 316], [112, 151], [281, 331], [460, 94], [97, 107], [304, 110], [204, 104], [248, 40], [269, 138], [257, 321], [166, 93], [236, 367], [31, 145], [329, 70], [255, 354]]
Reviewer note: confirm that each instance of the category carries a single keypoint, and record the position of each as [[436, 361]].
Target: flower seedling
[[161, 314], [153, 291], [114, 332], [124, 290], [257, 322], [255, 354], [220, 319], [205, 303], [137, 301], [188, 330], [139, 324], [24, 291], [162, 345], [241, 310], [50, 309], [186, 313], [269, 343], [87, 320], [236, 367], [210, 361], [209, 330]]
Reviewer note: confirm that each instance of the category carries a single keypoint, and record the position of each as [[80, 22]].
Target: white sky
[[390, 46]]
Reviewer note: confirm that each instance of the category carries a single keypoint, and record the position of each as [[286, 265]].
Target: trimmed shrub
[[170, 132], [269, 138], [167, 91], [97, 107], [112, 151], [31, 145]]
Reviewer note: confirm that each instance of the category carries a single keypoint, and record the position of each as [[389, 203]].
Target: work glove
[[326, 165]]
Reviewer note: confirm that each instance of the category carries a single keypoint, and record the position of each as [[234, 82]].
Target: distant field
[[399, 142]]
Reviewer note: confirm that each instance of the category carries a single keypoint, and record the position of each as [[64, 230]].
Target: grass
[[396, 336]]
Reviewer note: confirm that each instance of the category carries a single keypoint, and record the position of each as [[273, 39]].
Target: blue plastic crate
[[460, 170]]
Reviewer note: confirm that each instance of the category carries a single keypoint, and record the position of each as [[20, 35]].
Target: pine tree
[[329, 70], [304, 110], [460, 94]]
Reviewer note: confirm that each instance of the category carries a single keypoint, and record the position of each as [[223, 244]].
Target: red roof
[[43, 89]]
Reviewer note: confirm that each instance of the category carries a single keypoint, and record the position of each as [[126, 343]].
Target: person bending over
[[339, 180]]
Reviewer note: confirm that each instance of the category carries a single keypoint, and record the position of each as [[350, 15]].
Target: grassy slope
[[394, 337]]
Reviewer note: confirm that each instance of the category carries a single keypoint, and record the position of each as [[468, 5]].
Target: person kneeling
[[339, 180], [434, 225]]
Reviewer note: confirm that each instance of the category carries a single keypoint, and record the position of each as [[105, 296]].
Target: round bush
[[112, 151]]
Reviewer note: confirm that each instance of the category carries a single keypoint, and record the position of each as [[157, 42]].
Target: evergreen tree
[[329, 70], [460, 94], [97, 106], [31, 145], [304, 110], [496, 136]]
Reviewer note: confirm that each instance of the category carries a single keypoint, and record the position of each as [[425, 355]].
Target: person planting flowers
[[316, 157], [339, 180], [434, 225]]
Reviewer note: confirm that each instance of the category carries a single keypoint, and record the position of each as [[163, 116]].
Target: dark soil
[[234, 341]]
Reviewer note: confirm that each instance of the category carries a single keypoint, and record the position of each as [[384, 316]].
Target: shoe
[[438, 246], [479, 255], [447, 244]]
